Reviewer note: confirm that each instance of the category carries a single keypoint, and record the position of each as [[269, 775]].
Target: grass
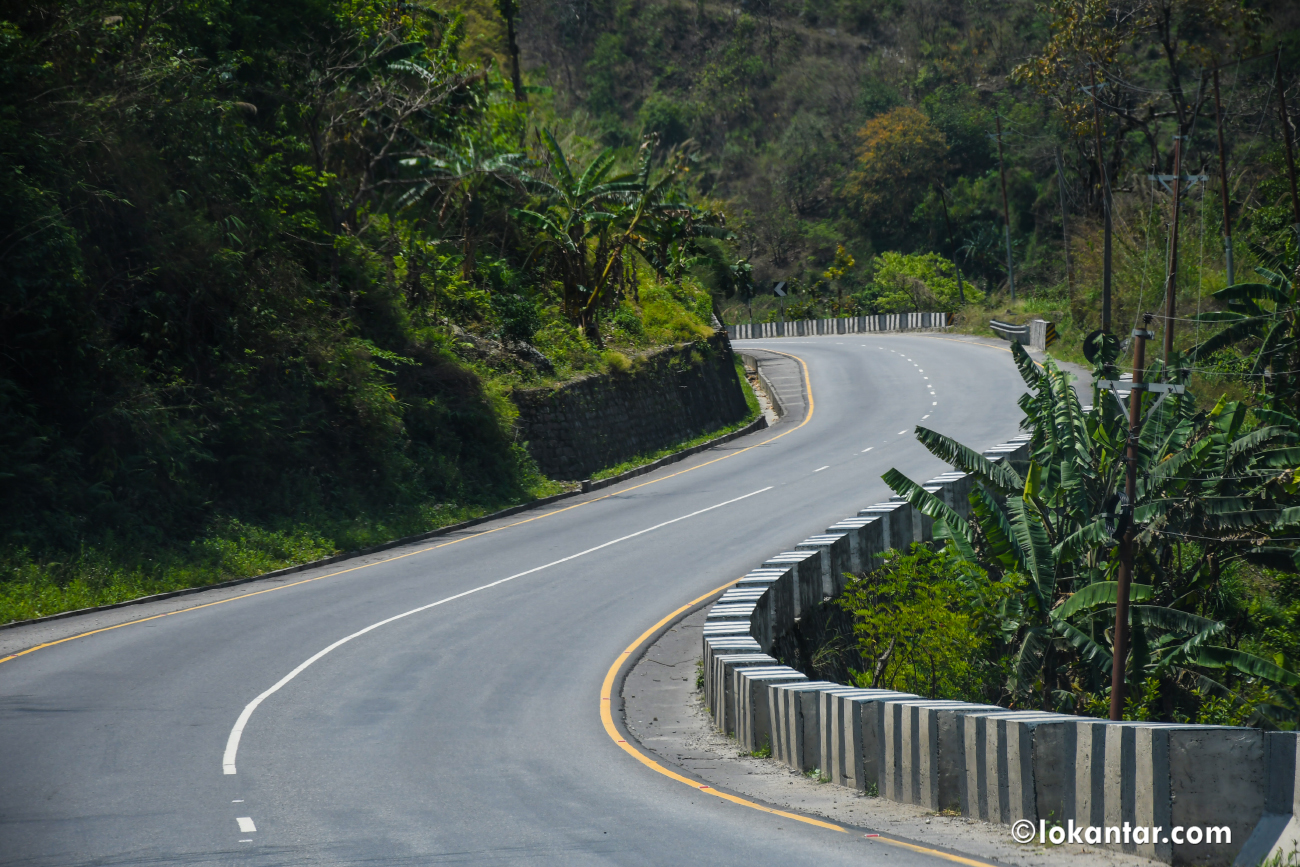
[[641, 460], [113, 572]]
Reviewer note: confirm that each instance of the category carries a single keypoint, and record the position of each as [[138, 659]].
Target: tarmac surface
[[440, 703]]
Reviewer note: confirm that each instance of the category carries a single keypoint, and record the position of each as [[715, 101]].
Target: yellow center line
[[242, 596], [607, 720], [607, 713]]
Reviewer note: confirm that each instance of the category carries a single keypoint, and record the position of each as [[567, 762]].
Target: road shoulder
[[664, 713]]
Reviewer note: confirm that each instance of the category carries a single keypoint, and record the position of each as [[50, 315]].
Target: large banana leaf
[[1093, 534], [1174, 620], [1247, 663], [928, 504], [1000, 475], [1029, 534], [1090, 651], [1100, 593], [996, 530], [1027, 366]]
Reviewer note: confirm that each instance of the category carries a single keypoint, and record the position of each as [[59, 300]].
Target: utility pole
[[1126, 542], [1065, 229], [1223, 183], [1286, 136], [961, 291], [1172, 279], [1105, 206], [1006, 212]]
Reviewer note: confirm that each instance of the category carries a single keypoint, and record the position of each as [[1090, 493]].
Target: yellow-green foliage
[[675, 316], [919, 282], [925, 623], [615, 361]]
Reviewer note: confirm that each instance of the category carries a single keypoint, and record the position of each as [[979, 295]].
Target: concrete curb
[[757, 424]]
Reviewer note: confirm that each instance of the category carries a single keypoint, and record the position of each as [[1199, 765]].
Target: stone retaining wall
[[671, 395]]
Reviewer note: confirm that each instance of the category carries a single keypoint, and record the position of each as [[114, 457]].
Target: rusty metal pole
[[1105, 207], [1126, 543], [1171, 283], [1223, 183]]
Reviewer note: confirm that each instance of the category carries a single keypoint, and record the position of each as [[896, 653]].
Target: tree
[[591, 219], [915, 282], [458, 175], [899, 155], [509, 10]]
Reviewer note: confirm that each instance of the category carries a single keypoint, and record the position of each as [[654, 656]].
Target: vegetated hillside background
[[269, 272], [855, 123]]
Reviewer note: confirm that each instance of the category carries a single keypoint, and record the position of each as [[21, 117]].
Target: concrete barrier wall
[[841, 325], [989, 762]]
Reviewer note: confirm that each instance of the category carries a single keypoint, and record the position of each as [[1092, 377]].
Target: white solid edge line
[[246, 825], [232, 742]]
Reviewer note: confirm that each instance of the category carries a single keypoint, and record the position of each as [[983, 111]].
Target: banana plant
[[1212, 490], [458, 177], [588, 219], [1267, 311]]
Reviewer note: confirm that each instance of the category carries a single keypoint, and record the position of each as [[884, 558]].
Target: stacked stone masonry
[[987, 762], [599, 421]]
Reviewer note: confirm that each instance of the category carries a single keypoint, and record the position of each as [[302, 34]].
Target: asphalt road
[[468, 730]]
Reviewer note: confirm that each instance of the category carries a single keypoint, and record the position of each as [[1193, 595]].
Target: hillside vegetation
[[872, 127], [270, 271], [268, 274]]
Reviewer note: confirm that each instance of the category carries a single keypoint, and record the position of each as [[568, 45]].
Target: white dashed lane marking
[[819, 469], [867, 449]]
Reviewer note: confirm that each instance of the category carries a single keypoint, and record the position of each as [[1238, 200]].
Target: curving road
[[448, 710]]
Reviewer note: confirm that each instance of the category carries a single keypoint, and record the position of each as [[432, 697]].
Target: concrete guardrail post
[[752, 715], [1277, 833], [794, 728], [724, 645], [807, 567], [834, 548], [724, 667]]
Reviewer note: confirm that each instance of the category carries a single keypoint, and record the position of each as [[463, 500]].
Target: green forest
[[270, 272]]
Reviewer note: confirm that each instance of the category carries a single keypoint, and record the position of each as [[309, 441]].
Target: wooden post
[[1105, 207], [1126, 543]]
